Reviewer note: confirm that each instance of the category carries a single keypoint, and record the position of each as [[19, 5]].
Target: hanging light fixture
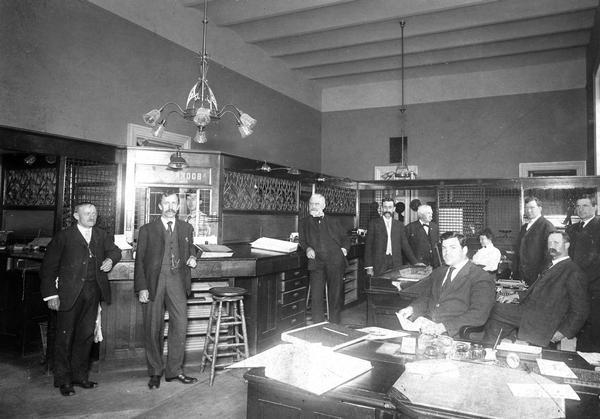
[[402, 171], [177, 162], [201, 107]]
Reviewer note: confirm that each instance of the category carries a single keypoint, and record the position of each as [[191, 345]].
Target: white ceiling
[[352, 42]]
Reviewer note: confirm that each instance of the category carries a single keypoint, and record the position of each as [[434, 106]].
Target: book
[[214, 251], [274, 245], [329, 335]]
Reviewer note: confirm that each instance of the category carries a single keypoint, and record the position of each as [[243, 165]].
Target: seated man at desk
[[456, 295], [554, 307]]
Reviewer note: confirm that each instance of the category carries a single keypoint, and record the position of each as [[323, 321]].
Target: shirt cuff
[[51, 297]]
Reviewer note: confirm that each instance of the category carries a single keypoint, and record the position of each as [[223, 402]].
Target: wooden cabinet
[[351, 282], [276, 302]]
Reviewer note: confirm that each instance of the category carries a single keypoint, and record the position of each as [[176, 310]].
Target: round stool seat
[[227, 291]]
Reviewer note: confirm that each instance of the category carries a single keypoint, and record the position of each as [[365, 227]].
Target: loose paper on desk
[[310, 367], [555, 368], [515, 347], [592, 358], [379, 333], [543, 391], [274, 245], [409, 325]]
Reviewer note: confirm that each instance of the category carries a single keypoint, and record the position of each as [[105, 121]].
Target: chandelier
[[201, 107]]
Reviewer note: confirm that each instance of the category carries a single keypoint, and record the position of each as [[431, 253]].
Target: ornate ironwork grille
[[32, 187], [89, 181], [249, 192], [340, 201]]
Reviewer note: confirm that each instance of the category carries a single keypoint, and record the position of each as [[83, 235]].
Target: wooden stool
[[326, 300], [232, 341]]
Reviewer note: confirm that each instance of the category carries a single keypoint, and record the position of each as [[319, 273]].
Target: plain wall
[[475, 138], [71, 68]]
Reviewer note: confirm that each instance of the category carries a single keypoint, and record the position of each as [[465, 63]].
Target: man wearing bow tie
[[554, 307], [326, 245], [459, 294], [585, 252], [423, 236], [162, 279], [73, 282]]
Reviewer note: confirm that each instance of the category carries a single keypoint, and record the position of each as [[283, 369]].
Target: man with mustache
[[326, 245], [386, 241], [73, 281], [162, 279], [585, 252], [554, 307]]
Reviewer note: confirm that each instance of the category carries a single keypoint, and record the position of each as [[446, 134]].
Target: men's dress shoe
[[67, 390], [154, 382], [85, 384], [182, 378]]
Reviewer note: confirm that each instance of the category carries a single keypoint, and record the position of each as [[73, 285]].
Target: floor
[[26, 391]]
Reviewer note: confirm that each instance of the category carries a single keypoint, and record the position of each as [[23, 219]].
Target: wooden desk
[[366, 396]]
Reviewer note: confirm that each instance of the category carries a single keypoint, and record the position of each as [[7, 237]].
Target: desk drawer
[[291, 296], [293, 284], [292, 309], [295, 273], [292, 322]]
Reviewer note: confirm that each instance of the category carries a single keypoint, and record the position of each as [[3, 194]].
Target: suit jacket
[[585, 251], [67, 258], [558, 300], [335, 231], [424, 246], [150, 252], [376, 245], [466, 301], [531, 253]]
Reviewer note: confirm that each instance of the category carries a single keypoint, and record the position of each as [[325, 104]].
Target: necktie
[[448, 278], [426, 227], [169, 228], [88, 235]]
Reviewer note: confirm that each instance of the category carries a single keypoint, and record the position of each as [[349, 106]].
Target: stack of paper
[[330, 335], [274, 245]]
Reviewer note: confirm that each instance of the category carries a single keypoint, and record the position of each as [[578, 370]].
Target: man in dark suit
[[585, 252], [162, 278], [386, 240], [423, 236], [554, 307], [326, 245], [73, 282], [530, 252], [460, 294]]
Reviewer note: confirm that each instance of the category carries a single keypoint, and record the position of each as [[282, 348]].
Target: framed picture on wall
[[389, 172]]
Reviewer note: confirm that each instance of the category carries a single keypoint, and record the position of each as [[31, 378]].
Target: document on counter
[[543, 391], [554, 368]]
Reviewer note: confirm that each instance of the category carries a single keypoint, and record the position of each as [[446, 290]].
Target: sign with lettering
[[156, 174]]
